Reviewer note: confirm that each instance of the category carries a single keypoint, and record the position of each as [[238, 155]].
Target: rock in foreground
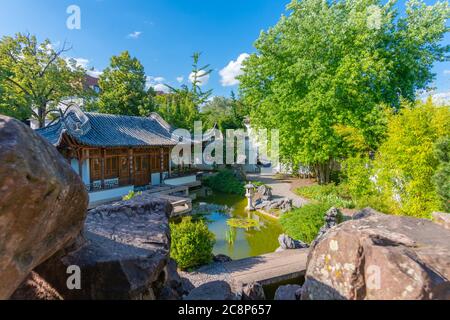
[[287, 243], [215, 290], [442, 218], [253, 291], [288, 292], [42, 206], [35, 288], [124, 255], [378, 256]]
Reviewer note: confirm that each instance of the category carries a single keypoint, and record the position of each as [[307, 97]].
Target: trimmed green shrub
[[192, 243], [225, 181], [304, 223]]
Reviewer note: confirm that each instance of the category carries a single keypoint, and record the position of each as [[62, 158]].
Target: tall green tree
[[123, 87], [226, 113], [178, 108], [332, 64], [181, 107], [35, 77]]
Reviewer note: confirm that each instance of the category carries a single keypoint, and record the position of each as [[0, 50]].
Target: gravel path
[[280, 188], [212, 272]]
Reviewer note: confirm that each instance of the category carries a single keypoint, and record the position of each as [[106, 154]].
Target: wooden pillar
[[130, 165], [161, 170], [169, 163], [80, 164], [103, 157]]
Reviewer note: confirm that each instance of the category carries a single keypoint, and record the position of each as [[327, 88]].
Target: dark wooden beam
[[130, 165], [103, 156], [161, 167], [80, 163]]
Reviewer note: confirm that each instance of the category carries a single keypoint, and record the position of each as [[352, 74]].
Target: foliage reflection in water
[[238, 243]]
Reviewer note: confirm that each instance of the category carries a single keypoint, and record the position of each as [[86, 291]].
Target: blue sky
[[163, 34]]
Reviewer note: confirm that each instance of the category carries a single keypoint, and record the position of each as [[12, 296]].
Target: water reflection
[[237, 242]]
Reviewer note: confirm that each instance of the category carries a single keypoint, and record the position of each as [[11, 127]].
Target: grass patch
[[330, 194]]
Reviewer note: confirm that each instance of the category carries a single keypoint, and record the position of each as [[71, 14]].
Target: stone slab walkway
[[280, 188], [265, 269]]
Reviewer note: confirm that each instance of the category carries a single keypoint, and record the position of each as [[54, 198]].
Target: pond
[[239, 243]]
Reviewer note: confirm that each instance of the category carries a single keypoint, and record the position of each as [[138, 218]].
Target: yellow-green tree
[[442, 175], [406, 162]]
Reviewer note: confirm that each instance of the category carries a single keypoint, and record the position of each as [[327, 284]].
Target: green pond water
[[246, 242]]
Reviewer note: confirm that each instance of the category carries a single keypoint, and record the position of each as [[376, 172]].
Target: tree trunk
[[41, 116], [323, 172]]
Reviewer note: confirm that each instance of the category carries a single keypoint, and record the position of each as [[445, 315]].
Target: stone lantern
[[250, 192]]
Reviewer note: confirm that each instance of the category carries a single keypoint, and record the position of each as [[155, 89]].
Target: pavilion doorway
[[141, 170]]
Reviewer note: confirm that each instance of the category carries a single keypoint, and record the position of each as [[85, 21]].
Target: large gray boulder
[[214, 290], [123, 253], [378, 256], [43, 203], [332, 218], [287, 243], [35, 288], [264, 193], [288, 292], [173, 286], [283, 204], [253, 291], [442, 218]]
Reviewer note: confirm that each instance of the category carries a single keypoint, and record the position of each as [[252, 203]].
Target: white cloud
[[81, 62], [161, 87], [52, 46], [180, 79], [94, 73], [157, 83], [202, 78], [151, 80], [232, 70], [135, 34], [84, 63], [159, 79], [441, 98], [446, 71]]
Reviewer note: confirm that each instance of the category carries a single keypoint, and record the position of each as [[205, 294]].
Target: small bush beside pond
[[192, 243], [225, 181], [304, 223]]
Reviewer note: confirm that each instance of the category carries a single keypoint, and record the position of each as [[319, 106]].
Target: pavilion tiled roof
[[105, 130]]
